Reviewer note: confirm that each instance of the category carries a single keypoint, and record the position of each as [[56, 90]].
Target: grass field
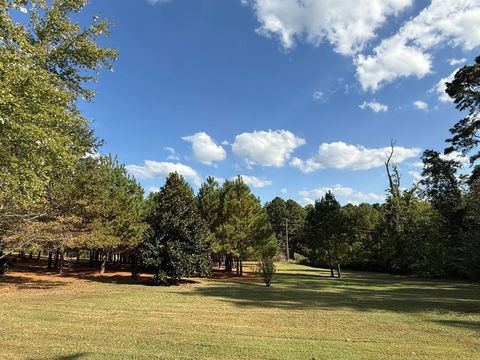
[[305, 315]]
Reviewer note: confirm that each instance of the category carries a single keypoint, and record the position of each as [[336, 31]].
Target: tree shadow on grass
[[25, 282], [71, 356], [467, 324], [362, 292]]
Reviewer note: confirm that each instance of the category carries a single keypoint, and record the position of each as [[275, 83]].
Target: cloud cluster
[[339, 155], [374, 105], [266, 148], [347, 25], [205, 150], [255, 181], [407, 53], [309, 196], [160, 170]]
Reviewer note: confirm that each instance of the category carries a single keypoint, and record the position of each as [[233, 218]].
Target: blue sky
[[297, 97]]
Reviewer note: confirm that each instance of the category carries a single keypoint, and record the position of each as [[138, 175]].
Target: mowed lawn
[[305, 315]]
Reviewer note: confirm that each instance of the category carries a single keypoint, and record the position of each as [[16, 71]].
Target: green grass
[[305, 315]]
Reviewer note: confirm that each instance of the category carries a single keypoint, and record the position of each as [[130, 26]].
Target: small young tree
[[267, 269]]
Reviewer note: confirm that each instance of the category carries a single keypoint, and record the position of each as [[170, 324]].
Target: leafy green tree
[[244, 229], [325, 234], [209, 207], [178, 243], [296, 216], [442, 189], [465, 90], [277, 216], [45, 64], [469, 250]]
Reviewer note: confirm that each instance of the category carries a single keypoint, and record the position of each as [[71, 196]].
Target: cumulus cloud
[[267, 148], [339, 155], [443, 22], [205, 149], [318, 96], [341, 191], [284, 191], [454, 62], [156, 170], [255, 181], [347, 25], [441, 86], [374, 105], [420, 105]]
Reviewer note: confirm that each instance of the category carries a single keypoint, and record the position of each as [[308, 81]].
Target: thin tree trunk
[[104, 263], [55, 264], [237, 268], [38, 256], [78, 256], [49, 263], [61, 260], [241, 267], [339, 272]]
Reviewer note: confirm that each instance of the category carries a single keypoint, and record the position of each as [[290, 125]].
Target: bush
[[267, 269]]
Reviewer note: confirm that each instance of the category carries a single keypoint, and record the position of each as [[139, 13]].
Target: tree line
[[59, 197]]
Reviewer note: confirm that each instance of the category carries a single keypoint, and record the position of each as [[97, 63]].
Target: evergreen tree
[[178, 243], [325, 234]]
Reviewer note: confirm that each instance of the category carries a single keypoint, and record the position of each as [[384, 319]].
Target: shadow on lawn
[[363, 292], [25, 282], [467, 324], [71, 356]]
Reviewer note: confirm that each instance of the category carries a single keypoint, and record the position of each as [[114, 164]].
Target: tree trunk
[[78, 257], [38, 256], [241, 267], [49, 263], [104, 263], [339, 272], [60, 261], [228, 263], [55, 264], [237, 268], [331, 271]]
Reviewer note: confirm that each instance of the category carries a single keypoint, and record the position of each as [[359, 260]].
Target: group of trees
[[56, 192], [58, 195], [432, 228]]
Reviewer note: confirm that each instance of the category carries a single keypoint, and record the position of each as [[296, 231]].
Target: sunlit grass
[[305, 315]]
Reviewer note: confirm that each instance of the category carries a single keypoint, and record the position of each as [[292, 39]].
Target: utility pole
[[286, 233]]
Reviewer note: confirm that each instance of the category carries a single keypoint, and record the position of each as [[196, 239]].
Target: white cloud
[[151, 189], [255, 181], [339, 155], [284, 191], [373, 105], [443, 22], [347, 25], [205, 149], [454, 62], [173, 155], [420, 105], [342, 191], [318, 96], [267, 148], [155, 170], [441, 86], [457, 156]]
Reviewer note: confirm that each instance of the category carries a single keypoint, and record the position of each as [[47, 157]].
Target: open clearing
[[305, 315]]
